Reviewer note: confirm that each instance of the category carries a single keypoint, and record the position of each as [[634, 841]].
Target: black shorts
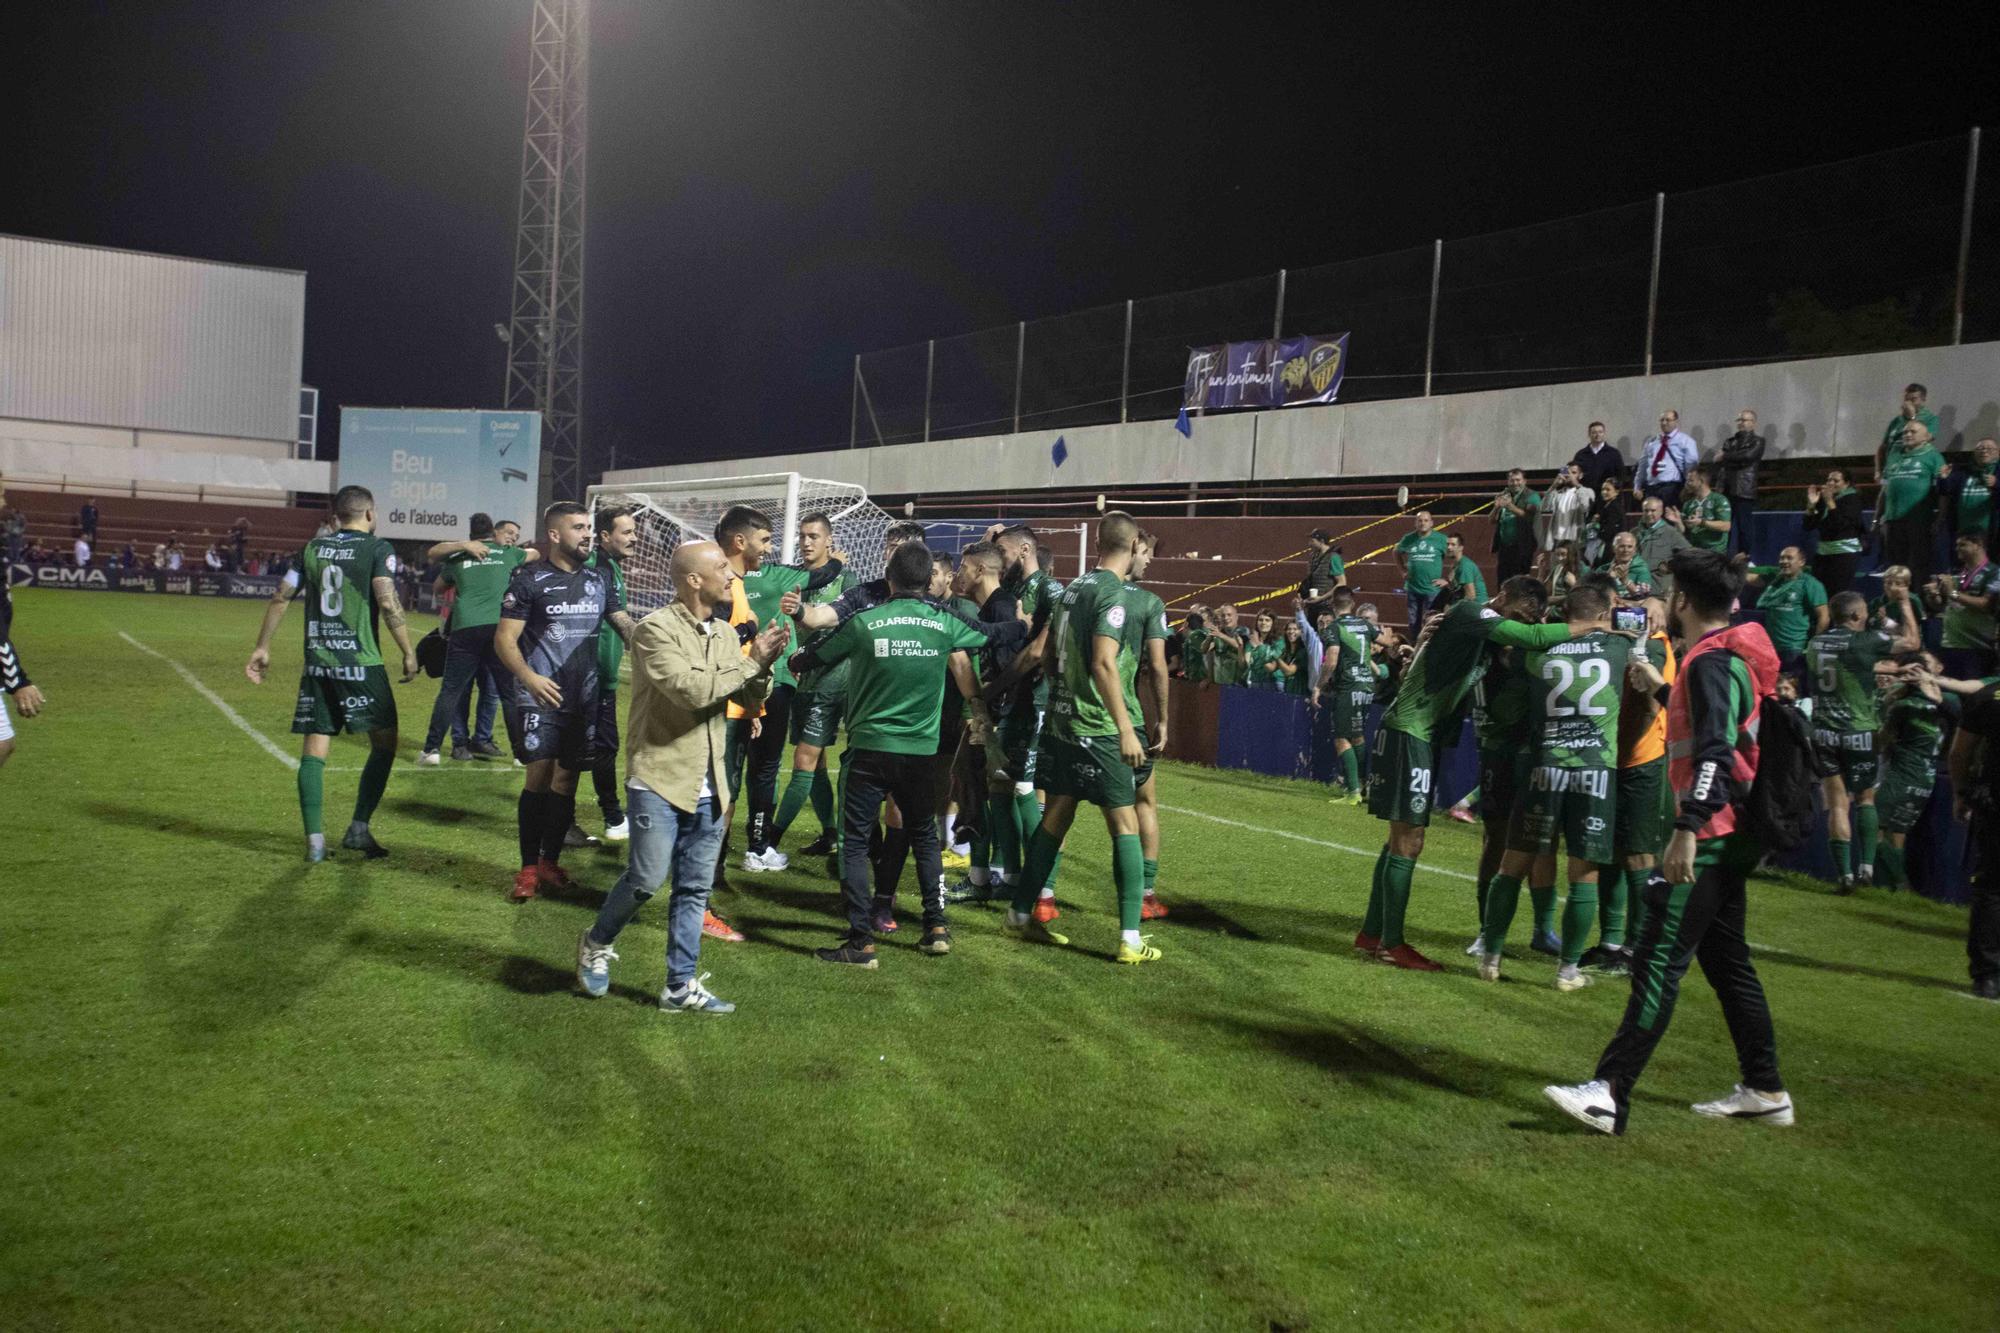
[[568, 736]]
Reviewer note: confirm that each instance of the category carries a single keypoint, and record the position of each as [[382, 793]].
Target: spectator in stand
[[1565, 509], [1295, 662], [1194, 637], [81, 552], [1898, 600], [239, 540], [1559, 570], [17, 534], [1461, 574], [1599, 461], [1260, 655], [1733, 464], [1906, 505], [86, 521], [1631, 575], [128, 559], [1704, 514], [1969, 600], [1834, 512], [1794, 604], [1913, 409], [1325, 572], [175, 555], [1421, 554], [1966, 493], [1514, 526], [1228, 647], [1665, 461], [217, 561], [1610, 516]]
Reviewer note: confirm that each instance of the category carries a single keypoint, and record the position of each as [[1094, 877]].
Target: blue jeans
[[488, 681], [1420, 605], [665, 839]]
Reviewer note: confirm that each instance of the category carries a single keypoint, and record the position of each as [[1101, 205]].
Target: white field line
[[1317, 842], [222, 705], [270, 746]]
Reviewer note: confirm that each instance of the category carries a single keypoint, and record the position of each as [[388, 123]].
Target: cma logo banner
[[56, 576]]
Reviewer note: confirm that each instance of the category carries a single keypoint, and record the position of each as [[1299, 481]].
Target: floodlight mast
[[545, 334]]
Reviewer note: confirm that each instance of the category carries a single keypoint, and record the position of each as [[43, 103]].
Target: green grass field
[[245, 1092]]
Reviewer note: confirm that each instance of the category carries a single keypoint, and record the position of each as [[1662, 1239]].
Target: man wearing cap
[[1325, 572]]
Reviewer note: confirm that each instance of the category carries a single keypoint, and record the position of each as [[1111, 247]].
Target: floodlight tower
[[545, 336]]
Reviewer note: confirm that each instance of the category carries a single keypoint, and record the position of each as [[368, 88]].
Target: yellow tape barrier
[[1223, 583], [1380, 550]]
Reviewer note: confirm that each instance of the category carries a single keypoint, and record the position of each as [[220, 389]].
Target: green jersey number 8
[[332, 591]]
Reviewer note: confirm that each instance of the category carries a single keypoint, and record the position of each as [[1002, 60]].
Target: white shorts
[[6, 722]]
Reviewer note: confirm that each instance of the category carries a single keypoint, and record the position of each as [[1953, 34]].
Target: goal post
[[1066, 541], [670, 513]]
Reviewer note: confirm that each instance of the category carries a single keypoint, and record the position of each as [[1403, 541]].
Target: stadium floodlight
[[668, 513]]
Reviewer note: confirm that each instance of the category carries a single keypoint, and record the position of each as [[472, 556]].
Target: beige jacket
[[683, 681]]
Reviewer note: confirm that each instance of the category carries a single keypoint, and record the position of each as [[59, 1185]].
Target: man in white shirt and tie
[[1664, 461]]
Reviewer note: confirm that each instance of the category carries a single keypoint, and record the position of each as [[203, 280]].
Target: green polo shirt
[[1711, 508], [1909, 482], [481, 583], [1965, 627], [897, 672], [1975, 499], [1507, 529], [1467, 575], [1425, 555], [1892, 436], [1788, 605]]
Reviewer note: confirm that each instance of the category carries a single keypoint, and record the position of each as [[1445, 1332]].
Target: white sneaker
[[593, 965], [1476, 948], [618, 832], [428, 759], [694, 998], [1489, 967], [768, 859], [1749, 1104], [1569, 977], [1589, 1102]]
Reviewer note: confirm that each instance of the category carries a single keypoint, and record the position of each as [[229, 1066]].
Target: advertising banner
[[1273, 372], [431, 469], [198, 583]]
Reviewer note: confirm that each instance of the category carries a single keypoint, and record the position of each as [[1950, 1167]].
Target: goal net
[[669, 513]]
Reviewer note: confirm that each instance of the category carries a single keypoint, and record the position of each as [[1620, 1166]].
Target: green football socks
[[1889, 866], [798, 789], [312, 792], [374, 781], [1503, 896], [1041, 858], [1578, 914], [1128, 867], [1842, 867], [1544, 899], [1618, 883], [1396, 875], [1371, 921], [1867, 830], [1350, 768], [1152, 875], [1004, 836]]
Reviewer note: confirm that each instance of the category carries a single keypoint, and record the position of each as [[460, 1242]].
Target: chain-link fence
[[1871, 254]]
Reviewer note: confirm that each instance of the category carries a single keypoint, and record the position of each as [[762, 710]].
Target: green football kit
[[343, 686], [1846, 716]]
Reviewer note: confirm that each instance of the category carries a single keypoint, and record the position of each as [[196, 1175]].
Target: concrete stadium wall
[[1830, 407]]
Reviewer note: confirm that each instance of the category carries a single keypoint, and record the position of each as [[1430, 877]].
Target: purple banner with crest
[[1273, 372]]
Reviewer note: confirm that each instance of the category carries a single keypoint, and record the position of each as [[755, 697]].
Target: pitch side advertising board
[[431, 469]]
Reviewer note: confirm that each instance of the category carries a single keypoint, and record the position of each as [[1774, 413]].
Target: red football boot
[[1046, 910], [525, 884], [553, 876], [1409, 959], [1151, 908], [716, 928], [1367, 944]]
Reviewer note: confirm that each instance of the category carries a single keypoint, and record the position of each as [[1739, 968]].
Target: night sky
[[774, 187]]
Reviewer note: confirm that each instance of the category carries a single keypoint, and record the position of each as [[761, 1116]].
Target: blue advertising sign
[[1272, 372], [431, 469]]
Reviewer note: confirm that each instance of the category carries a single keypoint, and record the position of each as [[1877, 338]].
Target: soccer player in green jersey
[[348, 577], [1027, 683], [1570, 794], [900, 653], [745, 536], [1347, 673], [1400, 768], [1146, 607], [1847, 666], [617, 538], [1500, 702], [1092, 750], [1915, 708], [479, 570], [815, 710]]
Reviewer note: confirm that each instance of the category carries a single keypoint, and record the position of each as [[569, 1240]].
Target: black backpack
[[1778, 812]]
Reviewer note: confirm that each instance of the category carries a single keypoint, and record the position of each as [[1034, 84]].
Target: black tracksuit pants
[[767, 756], [1982, 941], [1684, 923], [868, 778]]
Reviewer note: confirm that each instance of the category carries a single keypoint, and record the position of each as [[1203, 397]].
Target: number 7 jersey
[[1576, 687]]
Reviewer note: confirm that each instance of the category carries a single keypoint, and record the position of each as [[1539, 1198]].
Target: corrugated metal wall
[[149, 342]]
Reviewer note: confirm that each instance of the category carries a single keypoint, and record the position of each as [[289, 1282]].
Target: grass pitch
[[245, 1092]]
